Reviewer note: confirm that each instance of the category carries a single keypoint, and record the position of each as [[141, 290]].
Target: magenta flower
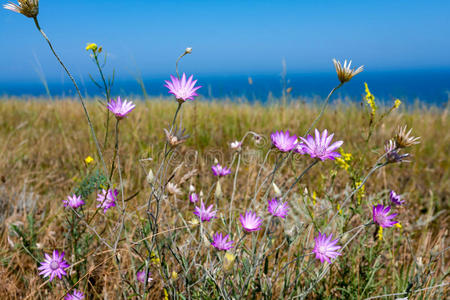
[[283, 140], [107, 199], [300, 148], [182, 89], [222, 242], [193, 197], [76, 295], [396, 199], [53, 265], [218, 170], [381, 216], [250, 221], [140, 275], [320, 146], [73, 201], [120, 109], [205, 214], [278, 208], [325, 248]]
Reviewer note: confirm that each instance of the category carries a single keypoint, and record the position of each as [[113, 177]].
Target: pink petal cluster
[[120, 109], [222, 242], [283, 140], [218, 170], [73, 201], [53, 265], [250, 221], [76, 295], [140, 275], [193, 197], [107, 199], [382, 217], [205, 214], [396, 199], [278, 208], [183, 89], [325, 248], [319, 146]]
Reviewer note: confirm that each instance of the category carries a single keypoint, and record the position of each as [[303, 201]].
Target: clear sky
[[232, 37]]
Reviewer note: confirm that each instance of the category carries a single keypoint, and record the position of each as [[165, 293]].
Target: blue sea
[[426, 86]]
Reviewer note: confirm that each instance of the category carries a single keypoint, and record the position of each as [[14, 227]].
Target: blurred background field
[[44, 145]]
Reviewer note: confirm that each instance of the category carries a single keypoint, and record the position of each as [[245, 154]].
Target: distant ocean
[[426, 86]]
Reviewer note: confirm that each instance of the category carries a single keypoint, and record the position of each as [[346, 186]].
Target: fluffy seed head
[[28, 8], [345, 73], [326, 248]]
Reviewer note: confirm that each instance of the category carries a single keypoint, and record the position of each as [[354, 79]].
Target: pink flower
[[193, 197], [218, 170], [120, 109], [205, 214], [283, 140], [73, 201], [183, 89], [140, 275], [396, 199], [53, 265], [222, 242], [278, 208], [381, 216], [107, 199], [76, 295], [250, 221], [320, 146], [325, 248]]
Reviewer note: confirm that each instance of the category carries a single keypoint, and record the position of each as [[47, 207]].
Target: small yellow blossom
[[88, 160], [166, 295], [380, 233], [370, 99], [314, 197], [397, 103], [339, 209], [398, 225], [361, 192], [228, 261], [174, 275], [154, 258], [92, 47]]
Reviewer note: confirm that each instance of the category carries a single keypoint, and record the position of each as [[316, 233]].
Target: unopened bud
[[188, 50]]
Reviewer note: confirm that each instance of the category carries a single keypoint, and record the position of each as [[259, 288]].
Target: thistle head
[[392, 152], [28, 8], [176, 138], [344, 72], [404, 139]]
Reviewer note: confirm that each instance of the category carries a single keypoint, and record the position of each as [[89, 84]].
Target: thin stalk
[[300, 177]]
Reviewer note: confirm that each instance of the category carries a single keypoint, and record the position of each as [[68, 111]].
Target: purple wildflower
[[182, 89], [120, 109], [53, 265], [140, 275], [218, 170], [381, 216], [76, 295], [193, 197], [325, 248], [205, 214], [73, 201], [250, 221], [396, 199], [107, 199], [222, 242], [278, 208], [300, 148], [283, 140], [320, 146]]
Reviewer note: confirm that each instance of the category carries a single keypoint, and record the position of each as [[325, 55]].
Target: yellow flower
[[155, 260], [398, 225], [92, 47], [174, 275], [370, 99], [88, 160], [380, 233], [397, 103], [339, 209], [314, 197], [166, 295], [361, 192], [228, 261]]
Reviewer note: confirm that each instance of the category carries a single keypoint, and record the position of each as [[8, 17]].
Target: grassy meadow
[[43, 149]]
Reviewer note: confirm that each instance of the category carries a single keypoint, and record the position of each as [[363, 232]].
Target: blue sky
[[232, 37]]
